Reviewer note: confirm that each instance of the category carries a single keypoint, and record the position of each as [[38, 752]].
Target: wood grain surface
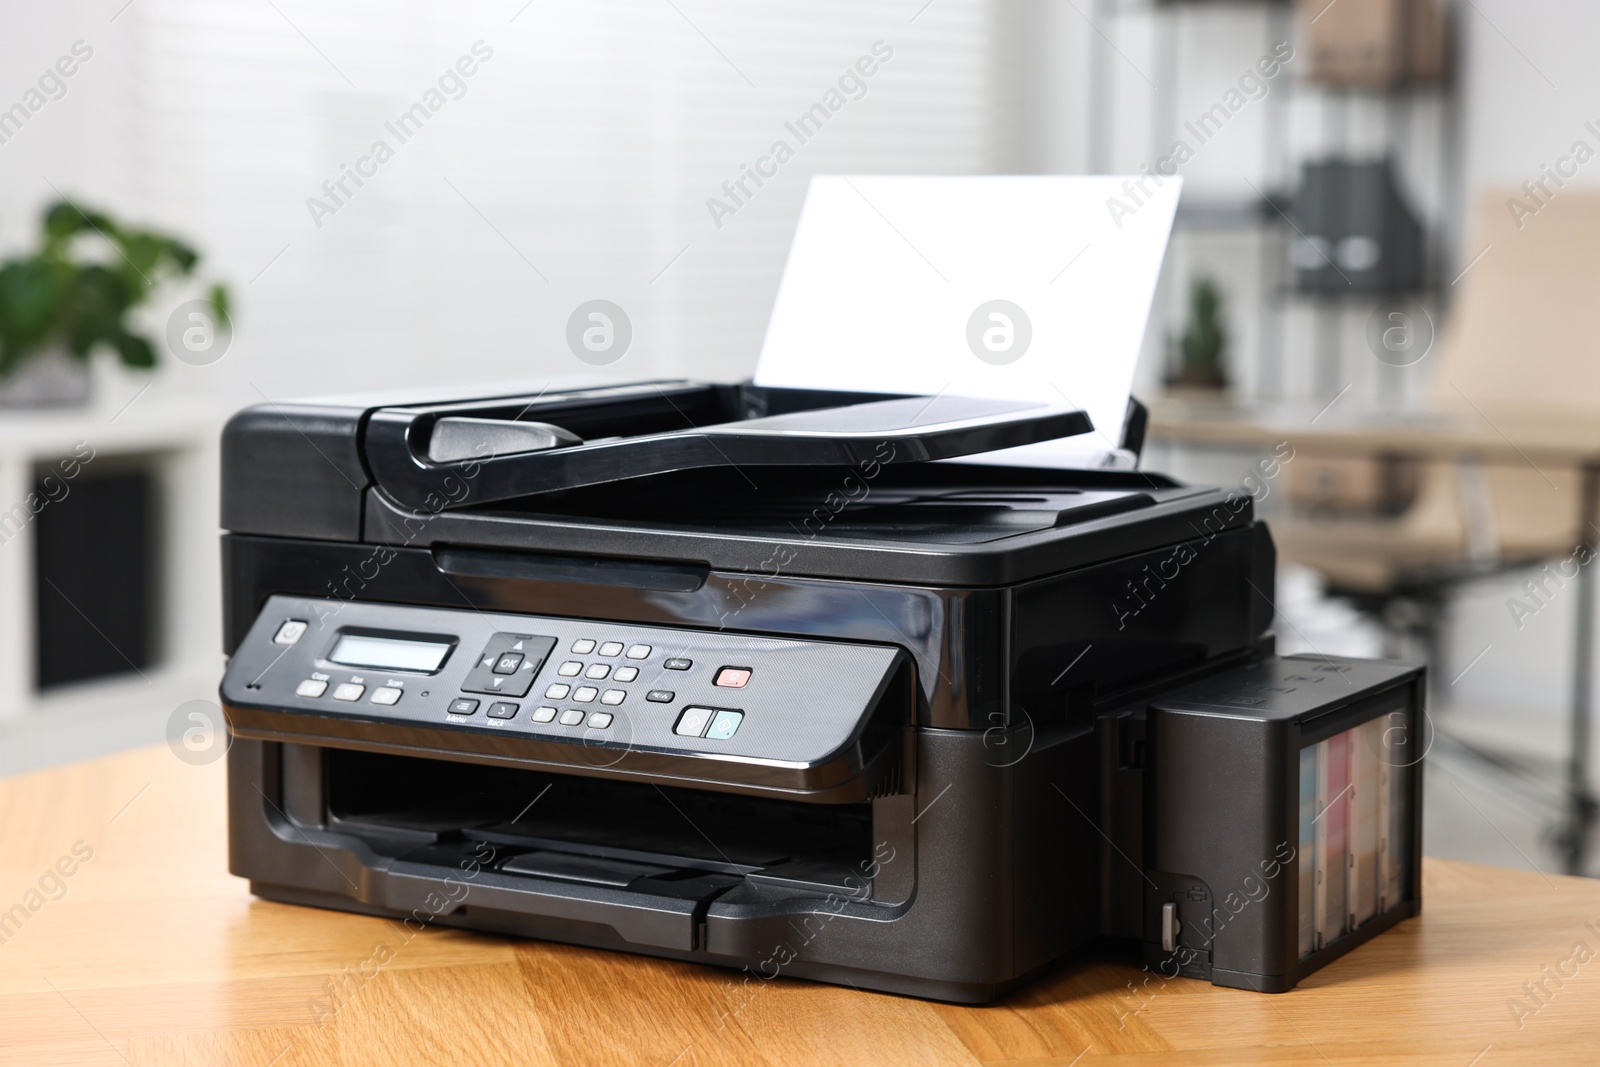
[[1514, 436], [149, 952]]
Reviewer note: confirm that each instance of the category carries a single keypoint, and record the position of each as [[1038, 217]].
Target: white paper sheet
[[890, 282]]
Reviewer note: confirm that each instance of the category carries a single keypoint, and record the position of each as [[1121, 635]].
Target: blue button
[[724, 725]]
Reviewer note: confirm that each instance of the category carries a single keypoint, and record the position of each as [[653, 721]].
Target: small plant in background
[[1199, 351], [71, 296]]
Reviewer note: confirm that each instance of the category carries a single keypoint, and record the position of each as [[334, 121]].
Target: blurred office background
[[577, 159]]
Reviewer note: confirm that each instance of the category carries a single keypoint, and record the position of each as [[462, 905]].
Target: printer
[[786, 681]]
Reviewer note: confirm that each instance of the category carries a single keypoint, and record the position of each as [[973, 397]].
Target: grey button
[[571, 717], [678, 664], [625, 674], [692, 723], [583, 647], [613, 696], [545, 714], [289, 632], [599, 720], [501, 710], [638, 651], [508, 663], [386, 696], [311, 687], [463, 706], [585, 693], [557, 692], [611, 648], [348, 691], [660, 696], [597, 670], [570, 669]]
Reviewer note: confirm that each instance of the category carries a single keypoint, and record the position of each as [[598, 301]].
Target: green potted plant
[[1198, 362], [74, 295]]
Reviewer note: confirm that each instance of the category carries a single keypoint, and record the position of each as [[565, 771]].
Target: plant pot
[[1197, 381], [49, 379]]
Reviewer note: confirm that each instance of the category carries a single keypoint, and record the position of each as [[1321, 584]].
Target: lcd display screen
[[389, 653]]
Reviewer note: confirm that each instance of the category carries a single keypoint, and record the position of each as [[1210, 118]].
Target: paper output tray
[[451, 455]]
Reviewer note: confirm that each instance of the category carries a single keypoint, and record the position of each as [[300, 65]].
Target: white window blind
[[574, 163]]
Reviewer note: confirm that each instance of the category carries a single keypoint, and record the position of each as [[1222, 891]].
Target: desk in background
[[154, 954], [1469, 436]]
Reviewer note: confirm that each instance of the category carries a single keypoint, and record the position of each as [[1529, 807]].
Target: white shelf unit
[[176, 439]]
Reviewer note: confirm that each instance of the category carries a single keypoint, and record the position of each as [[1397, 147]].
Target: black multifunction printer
[[749, 677]]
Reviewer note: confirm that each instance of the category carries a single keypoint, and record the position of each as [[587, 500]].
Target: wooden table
[[154, 954]]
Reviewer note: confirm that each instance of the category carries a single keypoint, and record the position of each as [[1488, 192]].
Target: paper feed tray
[[451, 455]]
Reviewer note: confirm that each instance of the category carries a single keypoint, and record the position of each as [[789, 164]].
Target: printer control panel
[[597, 684]]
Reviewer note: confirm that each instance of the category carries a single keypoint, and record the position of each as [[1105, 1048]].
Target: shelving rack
[[1264, 208]]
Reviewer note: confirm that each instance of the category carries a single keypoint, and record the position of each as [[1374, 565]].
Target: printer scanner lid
[[701, 474], [449, 455]]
